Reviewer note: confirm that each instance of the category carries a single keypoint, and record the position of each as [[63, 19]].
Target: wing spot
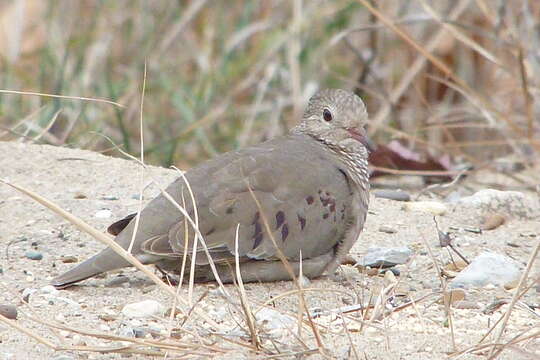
[[229, 210], [325, 216], [280, 219], [258, 240], [258, 234], [310, 200], [256, 218], [284, 232], [302, 221]]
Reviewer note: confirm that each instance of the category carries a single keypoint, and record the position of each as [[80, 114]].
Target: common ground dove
[[312, 190]]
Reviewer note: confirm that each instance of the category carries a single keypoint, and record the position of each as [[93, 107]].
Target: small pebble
[[130, 332], [26, 294], [387, 229], [109, 197], [386, 257], [79, 195], [103, 214], [68, 259], [511, 284], [430, 207], [396, 195], [493, 221], [271, 319], [372, 271], [453, 296], [8, 311], [456, 265], [465, 304], [389, 278], [49, 289], [107, 317], [63, 357], [33, 255], [144, 308], [117, 281]]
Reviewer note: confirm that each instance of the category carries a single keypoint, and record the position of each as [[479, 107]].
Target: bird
[[303, 195]]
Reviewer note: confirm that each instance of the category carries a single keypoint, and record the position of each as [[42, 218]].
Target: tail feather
[[104, 261]]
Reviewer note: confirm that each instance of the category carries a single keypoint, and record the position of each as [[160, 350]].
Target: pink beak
[[362, 138]]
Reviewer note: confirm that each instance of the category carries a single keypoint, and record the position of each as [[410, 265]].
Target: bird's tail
[[104, 261]]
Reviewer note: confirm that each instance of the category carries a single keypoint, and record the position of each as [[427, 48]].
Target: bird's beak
[[361, 137]]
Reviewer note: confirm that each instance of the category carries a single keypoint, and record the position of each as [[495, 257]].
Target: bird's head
[[336, 117]]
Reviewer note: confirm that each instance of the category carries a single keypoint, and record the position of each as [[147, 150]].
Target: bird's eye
[[327, 115]]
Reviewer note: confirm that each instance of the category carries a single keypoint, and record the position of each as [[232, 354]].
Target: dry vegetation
[[457, 78]]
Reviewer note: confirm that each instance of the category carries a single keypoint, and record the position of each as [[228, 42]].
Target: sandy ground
[[85, 183]]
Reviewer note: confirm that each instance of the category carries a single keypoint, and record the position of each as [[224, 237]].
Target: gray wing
[[303, 193]]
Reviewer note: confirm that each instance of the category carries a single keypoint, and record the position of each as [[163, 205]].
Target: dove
[[304, 194]]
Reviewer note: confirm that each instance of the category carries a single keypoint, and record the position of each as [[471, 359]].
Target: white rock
[[272, 319], [103, 214], [64, 299], [144, 308], [27, 292], [386, 257], [49, 289], [487, 269], [430, 207], [509, 203]]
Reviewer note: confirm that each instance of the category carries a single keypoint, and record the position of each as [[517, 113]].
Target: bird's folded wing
[[293, 190]]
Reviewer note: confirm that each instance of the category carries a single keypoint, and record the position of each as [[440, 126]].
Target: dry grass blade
[[48, 127], [101, 349], [290, 270], [106, 240], [515, 298], [460, 36], [243, 297], [415, 68], [3, 91]]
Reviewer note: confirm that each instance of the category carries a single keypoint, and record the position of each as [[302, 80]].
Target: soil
[[86, 183]]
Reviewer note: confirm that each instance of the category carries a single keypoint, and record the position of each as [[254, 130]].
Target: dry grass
[[441, 76]]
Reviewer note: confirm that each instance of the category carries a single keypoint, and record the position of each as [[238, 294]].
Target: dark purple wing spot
[[333, 206], [325, 216], [302, 221], [258, 229], [284, 232], [257, 234], [257, 241], [229, 210], [256, 218], [309, 200], [280, 219]]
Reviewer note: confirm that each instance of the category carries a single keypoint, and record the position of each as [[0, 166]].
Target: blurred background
[[446, 82]]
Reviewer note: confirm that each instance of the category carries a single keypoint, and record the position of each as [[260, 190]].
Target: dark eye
[[327, 115]]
